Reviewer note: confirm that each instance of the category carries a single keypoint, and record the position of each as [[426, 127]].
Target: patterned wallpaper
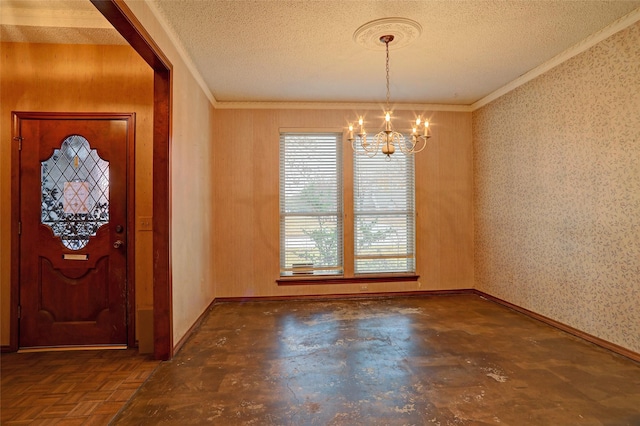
[[557, 192]]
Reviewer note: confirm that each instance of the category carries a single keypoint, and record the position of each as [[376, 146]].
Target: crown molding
[[177, 44], [597, 37], [618, 25], [339, 105]]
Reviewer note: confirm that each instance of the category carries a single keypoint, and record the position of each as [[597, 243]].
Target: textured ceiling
[[304, 51]]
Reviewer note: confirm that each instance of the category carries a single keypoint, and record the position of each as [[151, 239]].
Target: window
[[381, 226], [384, 218], [311, 204]]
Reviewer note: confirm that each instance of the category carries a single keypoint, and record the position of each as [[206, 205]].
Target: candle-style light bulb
[[387, 118], [418, 121]]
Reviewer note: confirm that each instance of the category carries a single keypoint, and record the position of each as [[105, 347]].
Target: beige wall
[[225, 197], [224, 180], [76, 78], [557, 193], [192, 231], [246, 212]]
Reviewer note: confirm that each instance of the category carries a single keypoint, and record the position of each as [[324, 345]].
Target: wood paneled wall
[[244, 230], [76, 78], [246, 210]]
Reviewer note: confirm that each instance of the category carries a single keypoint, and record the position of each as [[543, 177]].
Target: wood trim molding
[[371, 295], [125, 22], [566, 328], [14, 297], [186, 58], [131, 226], [193, 328], [338, 105], [363, 279], [162, 277]]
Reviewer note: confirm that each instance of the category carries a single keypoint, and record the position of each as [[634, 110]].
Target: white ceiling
[[304, 51]]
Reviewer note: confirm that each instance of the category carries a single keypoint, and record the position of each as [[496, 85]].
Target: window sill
[[315, 280]]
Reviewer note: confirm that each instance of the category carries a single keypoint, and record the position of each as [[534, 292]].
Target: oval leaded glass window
[[75, 192]]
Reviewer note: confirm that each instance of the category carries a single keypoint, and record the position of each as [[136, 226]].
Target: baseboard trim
[[327, 279], [194, 327], [566, 328], [363, 295], [468, 291], [546, 320], [38, 349]]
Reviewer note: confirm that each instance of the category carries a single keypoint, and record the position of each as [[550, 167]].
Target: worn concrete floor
[[442, 360]]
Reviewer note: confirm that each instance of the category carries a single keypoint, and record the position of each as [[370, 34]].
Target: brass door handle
[[118, 244]]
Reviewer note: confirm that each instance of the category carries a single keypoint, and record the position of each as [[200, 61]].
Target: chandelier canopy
[[388, 140]]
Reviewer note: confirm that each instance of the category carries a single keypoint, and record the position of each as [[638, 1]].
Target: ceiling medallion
[[385, 33], [404, 32]]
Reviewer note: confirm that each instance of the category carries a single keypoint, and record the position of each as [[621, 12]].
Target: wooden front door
[[73, 228]]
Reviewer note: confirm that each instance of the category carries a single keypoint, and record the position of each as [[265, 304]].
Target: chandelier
[[387, 140]]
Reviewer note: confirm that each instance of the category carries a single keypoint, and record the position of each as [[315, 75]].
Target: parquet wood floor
[[69, 388]]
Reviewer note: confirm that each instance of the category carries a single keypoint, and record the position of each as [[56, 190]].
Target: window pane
[[75, 192], [384, 213], [310, 204]]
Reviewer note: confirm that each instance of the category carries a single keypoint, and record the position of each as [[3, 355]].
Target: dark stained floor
[[441, 360]]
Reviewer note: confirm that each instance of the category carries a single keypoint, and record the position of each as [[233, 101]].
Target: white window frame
[[303, 219], [394, 220], [384, 199]]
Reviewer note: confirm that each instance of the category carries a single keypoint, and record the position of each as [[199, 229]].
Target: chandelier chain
[[387, 140], [388, 91]]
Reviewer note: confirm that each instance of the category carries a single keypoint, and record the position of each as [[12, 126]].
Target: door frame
[[126, 23], [132, 30], [16, 119]]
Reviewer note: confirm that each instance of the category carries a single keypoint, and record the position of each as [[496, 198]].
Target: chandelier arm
[[388, 140], [368, 149], [424, 145], [378, 141], [353, 146], [408, 145], [420, 141]]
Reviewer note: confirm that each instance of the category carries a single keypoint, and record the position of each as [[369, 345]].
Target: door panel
[[73, 211]]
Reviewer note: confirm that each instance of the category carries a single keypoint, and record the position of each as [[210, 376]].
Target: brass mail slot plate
[[75, 256]]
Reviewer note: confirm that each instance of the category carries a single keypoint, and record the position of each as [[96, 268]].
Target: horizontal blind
[[310, 204], [384, 213]]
